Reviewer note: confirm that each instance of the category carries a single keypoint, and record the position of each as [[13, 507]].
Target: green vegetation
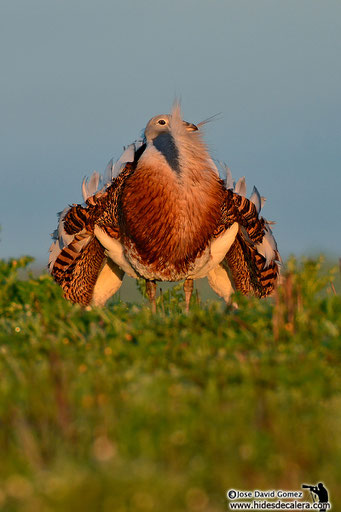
[[118, 410]]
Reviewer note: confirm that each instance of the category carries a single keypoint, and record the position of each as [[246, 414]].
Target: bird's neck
[[186, 165]]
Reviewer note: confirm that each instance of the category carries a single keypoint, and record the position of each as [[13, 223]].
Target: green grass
[[118, 410]]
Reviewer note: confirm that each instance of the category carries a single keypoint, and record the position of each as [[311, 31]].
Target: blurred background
[[80, 79], [119, 410]]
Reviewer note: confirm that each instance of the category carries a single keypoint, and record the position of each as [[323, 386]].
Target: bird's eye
[[161, 121]]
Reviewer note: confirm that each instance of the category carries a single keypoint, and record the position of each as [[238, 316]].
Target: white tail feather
[[97, 183], [90, 186], [128, 155], [240, 187], [229, 179], [62, 235], [268, 246], [256, 199], [61, 240], [54, 251]]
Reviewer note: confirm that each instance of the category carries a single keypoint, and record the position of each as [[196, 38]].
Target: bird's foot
[[151, 293], [188, 289]]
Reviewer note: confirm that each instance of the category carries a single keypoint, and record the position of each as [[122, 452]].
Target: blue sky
[[80, 79]]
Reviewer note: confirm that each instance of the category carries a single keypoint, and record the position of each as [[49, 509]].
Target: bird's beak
[[190, 126]]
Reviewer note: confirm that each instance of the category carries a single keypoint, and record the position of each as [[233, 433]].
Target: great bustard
[[164, 214]]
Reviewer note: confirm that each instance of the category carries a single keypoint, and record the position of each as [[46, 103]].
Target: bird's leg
[[188, 289], [151, 292]]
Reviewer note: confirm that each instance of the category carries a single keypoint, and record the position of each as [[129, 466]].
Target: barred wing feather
[[253, 261], [76, 257]]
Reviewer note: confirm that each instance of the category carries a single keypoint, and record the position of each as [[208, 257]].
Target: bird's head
[[162, 124], [178, 141]]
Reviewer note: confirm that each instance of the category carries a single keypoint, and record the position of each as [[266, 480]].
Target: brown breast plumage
[[166, 221]]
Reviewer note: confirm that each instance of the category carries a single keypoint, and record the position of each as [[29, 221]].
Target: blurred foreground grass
[[118, 410]]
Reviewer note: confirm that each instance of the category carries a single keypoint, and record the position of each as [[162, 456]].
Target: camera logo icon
[[232, 494]]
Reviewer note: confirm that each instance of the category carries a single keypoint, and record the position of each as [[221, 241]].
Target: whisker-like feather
[[210, 119]]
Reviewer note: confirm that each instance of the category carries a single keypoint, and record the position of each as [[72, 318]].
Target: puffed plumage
[[164, 214]]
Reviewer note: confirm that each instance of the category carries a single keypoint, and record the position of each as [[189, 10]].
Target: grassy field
[[117, 410]]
